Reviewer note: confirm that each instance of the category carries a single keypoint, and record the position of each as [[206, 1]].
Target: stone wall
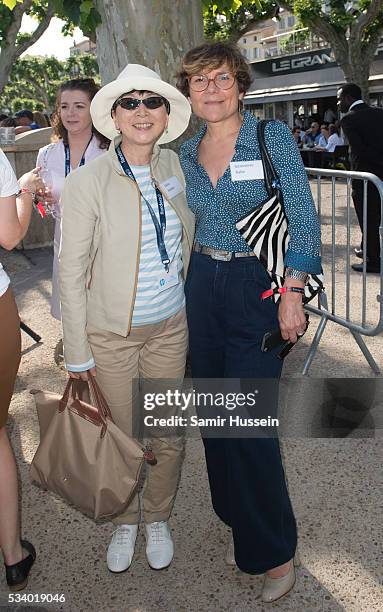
[[22, 156]]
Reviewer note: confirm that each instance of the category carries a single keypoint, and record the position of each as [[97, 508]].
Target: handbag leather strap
[[272, 182], [96, 395]]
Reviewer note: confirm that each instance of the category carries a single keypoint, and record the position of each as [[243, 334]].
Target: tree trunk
[[155, 33]]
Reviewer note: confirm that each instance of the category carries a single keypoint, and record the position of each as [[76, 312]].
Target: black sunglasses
[[150, 103]]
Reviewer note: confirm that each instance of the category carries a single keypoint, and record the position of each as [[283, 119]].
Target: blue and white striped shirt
[[152, 306]]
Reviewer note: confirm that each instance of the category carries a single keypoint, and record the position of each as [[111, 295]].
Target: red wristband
[[38, 206], [269, 292]]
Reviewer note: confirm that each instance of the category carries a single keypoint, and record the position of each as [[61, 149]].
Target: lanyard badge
[[67, 157], [160, 226]]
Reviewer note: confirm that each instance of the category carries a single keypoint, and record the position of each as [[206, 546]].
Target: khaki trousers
[[10, 351], [155, 351]]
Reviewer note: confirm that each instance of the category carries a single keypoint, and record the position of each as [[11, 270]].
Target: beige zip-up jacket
[[101, 244]]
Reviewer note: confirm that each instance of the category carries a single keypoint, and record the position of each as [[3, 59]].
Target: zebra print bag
[[265, 228]]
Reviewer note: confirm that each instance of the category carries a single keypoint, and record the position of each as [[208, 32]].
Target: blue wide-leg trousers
[[227, 321]]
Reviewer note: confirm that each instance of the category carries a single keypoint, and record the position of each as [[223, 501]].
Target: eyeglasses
[[133, 103], [200, 82]]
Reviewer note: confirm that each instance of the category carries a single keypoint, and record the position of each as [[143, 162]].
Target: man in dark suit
[[363, 126]]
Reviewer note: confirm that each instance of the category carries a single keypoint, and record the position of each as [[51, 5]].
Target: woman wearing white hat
[[126, 240]]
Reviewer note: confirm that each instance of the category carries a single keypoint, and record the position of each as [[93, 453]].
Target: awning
[[304, 92], [292, 93]]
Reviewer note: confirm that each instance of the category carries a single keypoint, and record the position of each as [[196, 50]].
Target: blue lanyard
[[160, 226], [67, 157]]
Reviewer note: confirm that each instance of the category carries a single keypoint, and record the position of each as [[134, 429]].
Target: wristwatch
[[296, 274]]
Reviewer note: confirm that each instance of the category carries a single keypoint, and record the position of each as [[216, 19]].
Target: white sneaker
[[121, 548], [159, 545]]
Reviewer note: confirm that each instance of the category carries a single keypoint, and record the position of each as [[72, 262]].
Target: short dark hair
[[211, 55], [332, 128], [24, 113], [353, 90], [8, 122]]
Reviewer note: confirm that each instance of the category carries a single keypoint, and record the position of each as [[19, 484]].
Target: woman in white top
[[15, 213], [76, 143], [334, 140]]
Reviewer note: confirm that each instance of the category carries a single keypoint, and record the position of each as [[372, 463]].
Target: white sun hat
[[135, 77]]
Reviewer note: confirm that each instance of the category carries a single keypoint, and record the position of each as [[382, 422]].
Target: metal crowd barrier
[[332, 312]]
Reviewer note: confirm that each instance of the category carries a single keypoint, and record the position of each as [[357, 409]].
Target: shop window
[[280, 111], [257, 110], [269, 110]]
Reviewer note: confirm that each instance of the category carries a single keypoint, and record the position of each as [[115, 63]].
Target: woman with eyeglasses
[[226, 316], [126, 240], [75, 143]]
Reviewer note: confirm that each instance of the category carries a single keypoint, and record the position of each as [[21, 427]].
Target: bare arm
[[15, 212]]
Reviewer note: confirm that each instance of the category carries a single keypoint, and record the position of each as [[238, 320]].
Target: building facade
[[295, 75], [85, 46]]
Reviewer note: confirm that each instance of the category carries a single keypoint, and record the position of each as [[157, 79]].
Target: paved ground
[[335, 484]]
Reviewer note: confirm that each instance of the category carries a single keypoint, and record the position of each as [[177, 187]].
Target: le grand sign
[[300, 62]]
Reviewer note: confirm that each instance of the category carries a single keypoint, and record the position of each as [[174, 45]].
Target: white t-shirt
[[8, 187], [334, 141]]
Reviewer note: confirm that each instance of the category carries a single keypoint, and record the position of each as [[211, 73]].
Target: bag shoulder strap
[[271, 176]]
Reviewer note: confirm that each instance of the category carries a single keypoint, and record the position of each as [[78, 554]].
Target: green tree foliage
[[13, 44], [228, 19], [352, 29], [34, 80], [81, 13], [352, 34]]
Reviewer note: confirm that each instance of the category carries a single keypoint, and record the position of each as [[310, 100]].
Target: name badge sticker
[[246, 170], [168, 279], [172, 187]]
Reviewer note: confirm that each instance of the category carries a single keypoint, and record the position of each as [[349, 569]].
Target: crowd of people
[[319, 137], [25, 120], [148, 262]]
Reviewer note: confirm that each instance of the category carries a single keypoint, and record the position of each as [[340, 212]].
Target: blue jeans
[[227, 321]]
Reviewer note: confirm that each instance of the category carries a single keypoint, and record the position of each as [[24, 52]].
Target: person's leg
[[9, 506], [204, 291], [116, 360], [263, 522], [373, 223], [373, 220], [205, 287], [357, 197], [9, 363], [162, 368]]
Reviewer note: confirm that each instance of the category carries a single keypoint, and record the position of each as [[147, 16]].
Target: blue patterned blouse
[[218, 209]]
